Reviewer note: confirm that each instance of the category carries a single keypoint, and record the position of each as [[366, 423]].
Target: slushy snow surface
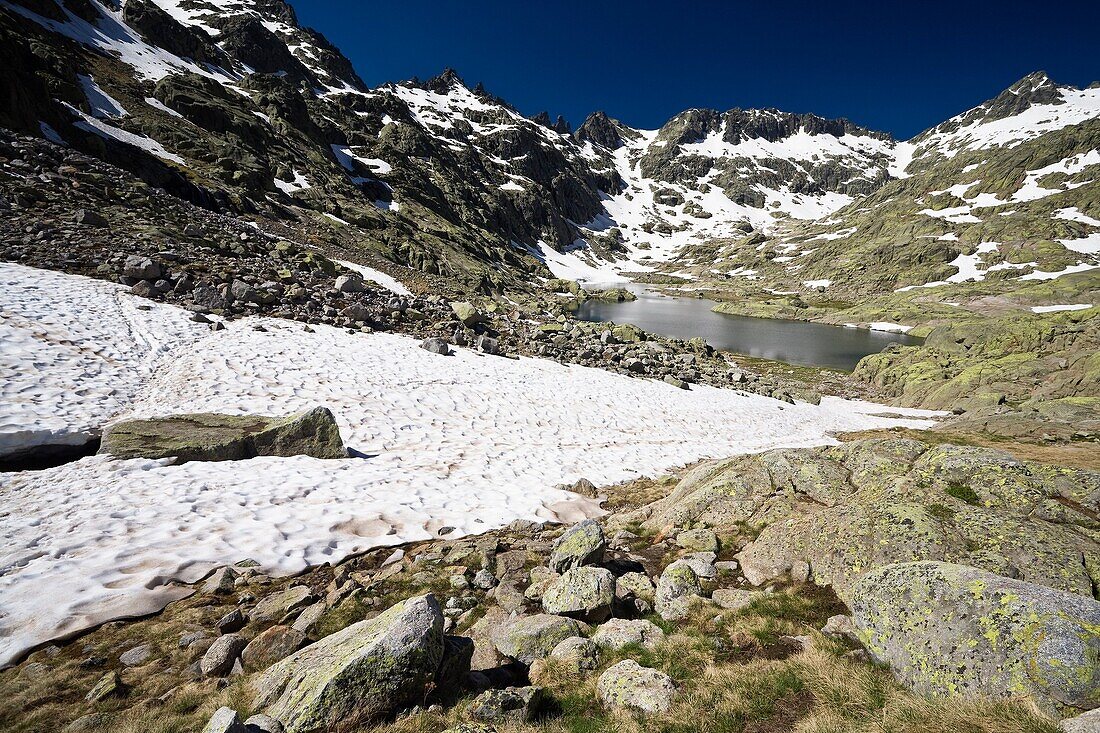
[[468, 441]]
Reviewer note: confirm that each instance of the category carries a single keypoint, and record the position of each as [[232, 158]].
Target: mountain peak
[[600, 129], [444, 82]]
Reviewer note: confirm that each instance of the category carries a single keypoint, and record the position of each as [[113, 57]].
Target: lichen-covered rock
[[632, 686], [273, 607], [619, 632], [582, 655], [1085, 723], [528, 638], [951, 629], [844, 510], [367, 670], [220, 658], [214, 437], [515, 704], [703, 565], [107, 685], [582, 544], [467, 313], [584, 593], [698, 540], [733, 599], [634, 585], [271, 645], [224, 720], [677, 591]]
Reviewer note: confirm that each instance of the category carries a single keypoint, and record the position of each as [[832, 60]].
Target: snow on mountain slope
[[1031, 107], [110, 34], [707, 175], [986, 193], [99, 539], [459, 183]]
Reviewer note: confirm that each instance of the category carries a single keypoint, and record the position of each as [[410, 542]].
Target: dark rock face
[[601, 130], [159, 28], [247, 39], [212, 437]]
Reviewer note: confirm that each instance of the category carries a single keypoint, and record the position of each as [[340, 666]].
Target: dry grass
[[732, 679]]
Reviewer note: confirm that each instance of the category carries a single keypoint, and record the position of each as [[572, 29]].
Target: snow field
[[468, 441]]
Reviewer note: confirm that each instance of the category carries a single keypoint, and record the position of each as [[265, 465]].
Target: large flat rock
[[213, 437]]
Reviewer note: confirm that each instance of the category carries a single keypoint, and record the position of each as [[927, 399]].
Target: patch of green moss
[[963, 493]]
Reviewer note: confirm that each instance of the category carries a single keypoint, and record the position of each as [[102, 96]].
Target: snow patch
[[468, 441], [369, 273], [1060, 308]]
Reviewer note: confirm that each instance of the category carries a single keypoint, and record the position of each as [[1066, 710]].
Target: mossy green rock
[[631, 686], [214, 437], [627, 333], [533, 637], [467, 313], [359, 674], [582, 544], [677, 591], [948, 629], [585, 593]]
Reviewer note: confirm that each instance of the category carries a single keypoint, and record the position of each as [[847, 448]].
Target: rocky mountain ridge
[[232, 104]]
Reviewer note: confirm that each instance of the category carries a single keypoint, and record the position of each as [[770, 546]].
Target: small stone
[[840, 627], [698, 540], [484, 580], [528, 638], [515, 704], [277, 605], [222, 654], [231, 622], [732, 599], [436, 346], [190, 637], [109, 684], [141, 268], [619, 632], [581, 654], [263, 724], [585, 593], [311, 615], [34, 670], [581, 544], [351, 283], [221, 582], [91, 723], [224, 720], [677, 591], [136, 656], [467, 313], [271, 645]]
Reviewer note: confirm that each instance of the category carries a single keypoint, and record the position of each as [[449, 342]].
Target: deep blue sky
[[889, 65]]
